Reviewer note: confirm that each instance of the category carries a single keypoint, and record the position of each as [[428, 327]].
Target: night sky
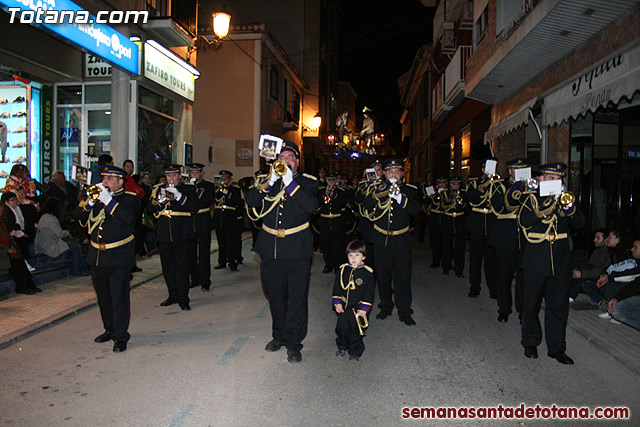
[[378, 41]]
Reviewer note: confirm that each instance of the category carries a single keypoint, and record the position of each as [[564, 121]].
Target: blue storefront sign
[[93, 37]]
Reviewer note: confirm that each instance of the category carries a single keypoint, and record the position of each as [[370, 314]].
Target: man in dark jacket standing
[[285, 247], [111, 221], [200, 250], [394, 202], [228, 206], [172, 205]]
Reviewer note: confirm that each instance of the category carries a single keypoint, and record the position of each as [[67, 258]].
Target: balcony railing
[[183, 12], [510, 14], [455, 71]]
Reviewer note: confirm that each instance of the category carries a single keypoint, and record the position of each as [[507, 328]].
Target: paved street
[[208, 366]]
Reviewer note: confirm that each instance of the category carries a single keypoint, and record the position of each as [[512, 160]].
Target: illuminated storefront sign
[[99, 39], [166, 69]]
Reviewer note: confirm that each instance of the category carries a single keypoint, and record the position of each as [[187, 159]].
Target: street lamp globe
[[316, 121], [221, 22]]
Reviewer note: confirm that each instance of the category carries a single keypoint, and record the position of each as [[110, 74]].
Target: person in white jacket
[[49, 238]]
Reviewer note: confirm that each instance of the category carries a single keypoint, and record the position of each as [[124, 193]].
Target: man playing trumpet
[[391, 206], [546, 263], [110, 214], [285, 200]]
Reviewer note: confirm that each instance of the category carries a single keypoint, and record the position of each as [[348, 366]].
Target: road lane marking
[[263, 311], [180, 418], [233, 351]]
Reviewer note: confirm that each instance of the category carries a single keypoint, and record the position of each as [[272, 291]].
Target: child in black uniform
[[353, 294]]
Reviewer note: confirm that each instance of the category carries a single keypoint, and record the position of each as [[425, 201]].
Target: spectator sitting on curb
[[614, 278], [625, 304], [591, 269], [49, 238]]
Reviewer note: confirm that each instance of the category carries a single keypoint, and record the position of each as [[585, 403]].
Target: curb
[[55, 319]]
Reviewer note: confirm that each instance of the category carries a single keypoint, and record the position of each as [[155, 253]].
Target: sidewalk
[[23, 315]]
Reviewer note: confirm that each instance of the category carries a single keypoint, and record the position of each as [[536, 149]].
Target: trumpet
[[532, 184], [93, 192], [457, 196], [279, 167], [495, 177], [362, 322], [222, 187], [164, 196], [394, 189], [566, 199]]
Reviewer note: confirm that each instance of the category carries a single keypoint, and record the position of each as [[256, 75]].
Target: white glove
[[393, 180], [105, 196], [91, 202], [192, 180], [226, 191], [396, 197], [174, 191], [273, 178], [287, 177]]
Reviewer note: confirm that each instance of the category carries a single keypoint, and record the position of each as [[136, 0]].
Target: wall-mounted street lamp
[[316, 121], [221, 22]]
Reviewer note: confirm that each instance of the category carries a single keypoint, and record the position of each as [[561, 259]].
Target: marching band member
[[480, 223], [508, 242], [435, 212], [228, 204], [172, 205], [285, 200], [111, 221], [200, 247], [391, 206], [332, 223], [454, 203], [546, 263]]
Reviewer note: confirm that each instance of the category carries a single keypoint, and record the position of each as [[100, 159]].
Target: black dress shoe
[[504, 318], [205, 288], [274, 345], [135, 269], [119, 346], [531, 352], [103, 337], [327, 270], [233, 267], [24, 290], [34, 288], [460, 275], [240, 260], [435, 265], [383, 314], [193, 285], [408, 320], [294, 356], [473, 294], [354, 358], [561, 357], [167, 302], [185, 306], [220, 266]]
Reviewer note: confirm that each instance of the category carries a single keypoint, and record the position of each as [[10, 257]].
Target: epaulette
[[133, 193], [310, 176], [411, 186], [187, 183], [369, 269]]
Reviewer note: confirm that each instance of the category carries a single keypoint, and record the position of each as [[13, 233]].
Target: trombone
[[362, 322]]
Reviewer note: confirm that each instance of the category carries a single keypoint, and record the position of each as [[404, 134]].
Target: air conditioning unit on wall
[[466, 20], [448, 42]]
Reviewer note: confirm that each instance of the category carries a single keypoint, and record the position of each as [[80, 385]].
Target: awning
[[510, 122], [606, 83]]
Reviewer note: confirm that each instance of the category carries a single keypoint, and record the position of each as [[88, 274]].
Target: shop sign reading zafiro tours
[[168, 72]]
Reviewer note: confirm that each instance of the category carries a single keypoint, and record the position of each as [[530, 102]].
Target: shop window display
[[14, 129]]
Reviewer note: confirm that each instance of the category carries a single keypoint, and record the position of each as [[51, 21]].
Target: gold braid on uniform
[[350, 286], [94, 220], [382, 207], [548, 217], [253, 213]]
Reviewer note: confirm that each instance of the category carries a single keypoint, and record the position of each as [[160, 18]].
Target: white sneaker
[[604, 315], [614, 321], [30, 267]]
